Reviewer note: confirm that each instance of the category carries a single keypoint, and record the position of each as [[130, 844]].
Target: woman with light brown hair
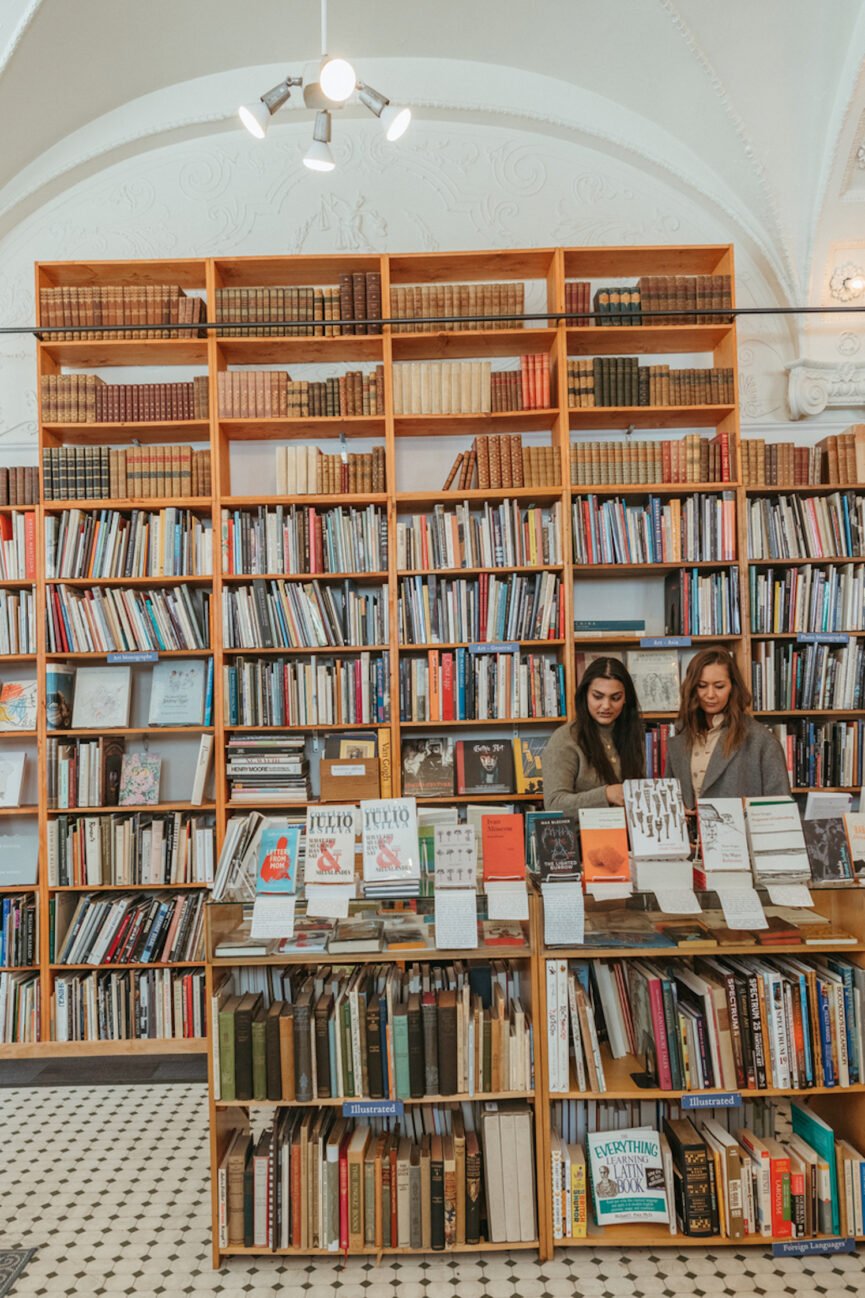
[[719, 749]]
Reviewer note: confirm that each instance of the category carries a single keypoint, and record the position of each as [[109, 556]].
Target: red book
[[524, 382], [545, 374], [503, 847], [662, 1049], [779, 1188], [295, 1195], [447, 687], [343, 1192], [394, 1199]]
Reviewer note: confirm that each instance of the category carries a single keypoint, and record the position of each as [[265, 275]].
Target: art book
[[59, 692], [139, 780], [11, 777], [484, 766], [655, 674], [330, 842], [828, 851], [18, 705], [528, 753], [390, 842], [177, 693], [604, 844], [656, 819], [278, 847], [503, 847], [428, 767], [102, 698], [723, 838], [554, 849], [854, 823], [627, 1174]]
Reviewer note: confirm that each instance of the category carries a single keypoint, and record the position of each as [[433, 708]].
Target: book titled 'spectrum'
[[330, 839], [627, 1176], [390, 842]]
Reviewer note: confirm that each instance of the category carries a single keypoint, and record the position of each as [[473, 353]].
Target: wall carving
[[814, 386]]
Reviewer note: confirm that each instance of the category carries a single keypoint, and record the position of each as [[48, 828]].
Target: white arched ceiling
[[567, 121]]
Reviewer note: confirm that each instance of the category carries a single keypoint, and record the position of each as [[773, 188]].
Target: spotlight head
[[394, 120], [256, 117], [338, 79], [855, 284], [318, 156]]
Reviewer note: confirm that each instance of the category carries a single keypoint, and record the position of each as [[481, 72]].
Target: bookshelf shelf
[[622, 417], [403, 956], [465, 644], [130, 581], [651, 488], [20, 811], [246, 577], [135, 730], [446, 344], [198, 504], [500, 421], [284, 430], [407, 500], [625, 569], [798, 563], [151, 433], [125, 887], [587, 642], [794, 635], [305, 729], [17, 583], [310, 649], [306, 502], [650, 339], [91, 355], [372, 1251], [125, 1046], [101, 654], [18, 887], [334, 1102], [486, 721], [300, 350], [154, 964], [529, 569], [666, 953], [462, 798], [809, 712], [128, 811]]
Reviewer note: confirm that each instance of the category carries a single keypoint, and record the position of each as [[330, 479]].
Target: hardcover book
[[139, 780], [18, 705], [278, 848], [528, 754], [723, 838], [177, 693], [627, 1176], [484, 766], [356, 934], [102, 698], [330, 844], [656, 819], [428, 767], [655, 673], [59, 693], [604, 843]]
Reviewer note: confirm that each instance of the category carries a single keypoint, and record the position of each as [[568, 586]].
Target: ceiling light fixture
[[847, 282], [337, 83]]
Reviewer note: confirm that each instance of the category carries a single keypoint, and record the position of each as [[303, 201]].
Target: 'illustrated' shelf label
[[372, 1109], [712, 1100]]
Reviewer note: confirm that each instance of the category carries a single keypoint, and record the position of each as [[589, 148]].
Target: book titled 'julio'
[[330, 835], [390, 842]]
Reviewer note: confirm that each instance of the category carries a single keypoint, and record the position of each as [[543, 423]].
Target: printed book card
[[604, 844], [723, 838], [330, 842], [278, 847], [627, 1174], [390, 842], [139, 780], [59, 692], [656, 818]]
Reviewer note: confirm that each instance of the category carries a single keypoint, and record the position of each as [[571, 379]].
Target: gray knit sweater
[[570, 781]]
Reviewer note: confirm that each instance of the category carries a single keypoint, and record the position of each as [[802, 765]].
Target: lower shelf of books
[[485, 1246], [646, 1235]]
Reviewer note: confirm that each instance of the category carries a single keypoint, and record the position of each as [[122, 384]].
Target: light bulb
[[318, 157], [856, 283], [256, 118], [337, 79], [395, 121]]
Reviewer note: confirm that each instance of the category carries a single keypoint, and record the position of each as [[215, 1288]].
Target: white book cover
[[723, 837], [390, 842], [655, 673], [773, 825], [854, 823], [177, 693], [330, 844], [11, 777], [656, 819], [827, 806], [627, 1176], [101, 698]]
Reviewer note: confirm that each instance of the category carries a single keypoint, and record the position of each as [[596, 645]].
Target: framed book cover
[[18, 705], [139, 780], [390, 840], [428, 767], [484, 766], [356, 749], [278, 848], [59, 694], [177, 693], [102, 696], [11, 778]]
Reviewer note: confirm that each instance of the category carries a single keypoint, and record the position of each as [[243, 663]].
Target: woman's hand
[[615, 795]]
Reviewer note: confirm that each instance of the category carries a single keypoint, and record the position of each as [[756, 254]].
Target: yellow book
[[578, 1225]]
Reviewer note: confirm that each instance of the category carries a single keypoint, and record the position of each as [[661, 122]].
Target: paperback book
[[391, 857], [656, 819], [278, 850], [828, 851], [627, 1174], [604, 843], [18, 701], [139, 780], [655, 674], [723, 838], [554, 851], [177, 693], [330, 844]]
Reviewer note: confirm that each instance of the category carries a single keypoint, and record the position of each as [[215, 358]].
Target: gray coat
[[756, 769]]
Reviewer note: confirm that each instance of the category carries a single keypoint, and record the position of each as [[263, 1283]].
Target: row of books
[[129, 1005], [19, 485], [135, 850], [88, 399], [698, 603], [20, 1008], [307, 471], [19, 931], [303, 310], [105, 620], [86, 309], [807, 599], [17, 622], [809, 527], [496, 536], [827, 754], [377, 1032], [420, 302], [437, 610], [295, 615], [106, 543], [501, 460], [692, 529], [437, 1179], [456, 685], [808, 677], [126, 928], [18, 546], [706, 298], [691, 458], [273, 394], [315, 692], [99, 697], [436, 766], [623, 381], [838, 458], [125, 473], [470, 387], [267, 768], [294, 539]]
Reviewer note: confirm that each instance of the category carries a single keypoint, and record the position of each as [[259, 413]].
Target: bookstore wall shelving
[[562, 449]]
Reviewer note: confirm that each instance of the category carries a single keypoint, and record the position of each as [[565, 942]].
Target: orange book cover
[[604, 845], [503, 846]]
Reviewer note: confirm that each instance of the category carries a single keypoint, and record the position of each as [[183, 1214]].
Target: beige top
[[570, 781], [701, 753]]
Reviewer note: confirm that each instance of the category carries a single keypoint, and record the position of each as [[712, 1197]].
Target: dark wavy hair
[[627, 728], [692, 720]]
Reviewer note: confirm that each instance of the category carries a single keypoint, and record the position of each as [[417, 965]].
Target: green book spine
[[400, 1053], [259, 1060], [226, 1054]]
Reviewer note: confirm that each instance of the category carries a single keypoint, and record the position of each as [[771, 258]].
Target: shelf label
[[802, 1247], [709, 1100], [665, 642], [503, 647], [823, 637], [135, 656], [372, 1109]]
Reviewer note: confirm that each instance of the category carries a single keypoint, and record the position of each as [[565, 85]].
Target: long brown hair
[[627, 728], [692, 720]]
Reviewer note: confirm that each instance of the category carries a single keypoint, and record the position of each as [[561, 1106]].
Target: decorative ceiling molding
[[814, 386]]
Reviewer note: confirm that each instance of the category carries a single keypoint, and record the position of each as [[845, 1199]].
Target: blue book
[[208, 695], [825, 1012], [820, 1136], [460, 710], [277, 859], [399, 1035], [155, 931]]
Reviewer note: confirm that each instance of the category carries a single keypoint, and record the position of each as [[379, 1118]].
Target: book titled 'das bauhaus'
[[391, 857]]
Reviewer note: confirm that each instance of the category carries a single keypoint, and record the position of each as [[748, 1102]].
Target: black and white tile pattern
[[110, 1185]]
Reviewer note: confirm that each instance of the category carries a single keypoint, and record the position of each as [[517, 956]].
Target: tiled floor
[[110, 1184]]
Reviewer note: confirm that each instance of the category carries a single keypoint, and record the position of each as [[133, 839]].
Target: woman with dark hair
[[586, 761], [719, 749]]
